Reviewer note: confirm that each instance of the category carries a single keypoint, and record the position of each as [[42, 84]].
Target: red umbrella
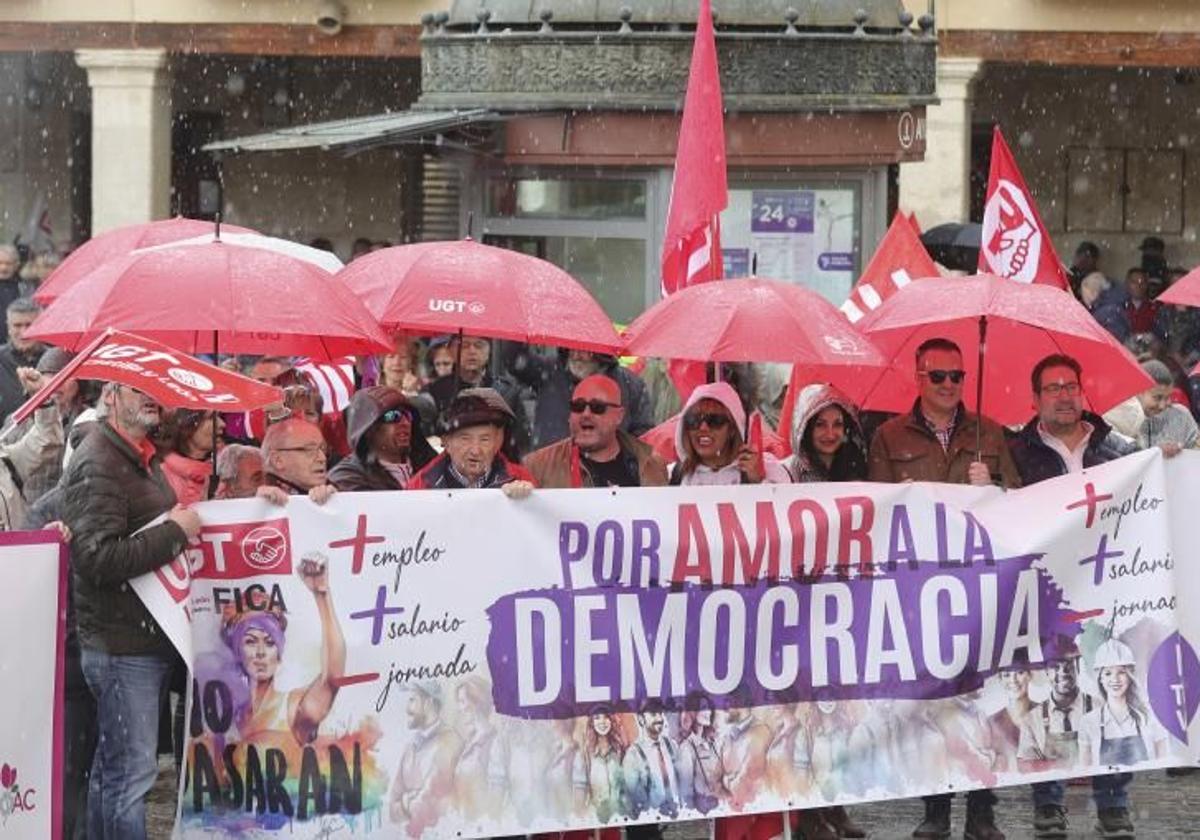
[[216, 296], [662, 439], [463, 286], [1022, 322], [120, 242], [752, 320], [1185, 291]]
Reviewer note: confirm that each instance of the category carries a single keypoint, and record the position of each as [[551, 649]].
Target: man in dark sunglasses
[[939, 440], [389, 445], [598, 452]]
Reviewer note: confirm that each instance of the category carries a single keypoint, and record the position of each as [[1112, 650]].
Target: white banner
[[461, 664], [32, 576]]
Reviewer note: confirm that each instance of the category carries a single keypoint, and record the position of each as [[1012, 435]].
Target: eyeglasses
[[937, 377], [1054, 389], [691, 422], [394, 415], [597, 407], [312, 450]]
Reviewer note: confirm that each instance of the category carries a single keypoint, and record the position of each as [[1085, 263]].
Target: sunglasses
[[937, 377], [597, 407], [394, 415], [691, 422]]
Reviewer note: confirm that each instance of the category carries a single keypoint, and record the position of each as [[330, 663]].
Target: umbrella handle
[[979, 388]]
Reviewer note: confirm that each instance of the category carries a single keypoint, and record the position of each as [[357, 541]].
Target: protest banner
[[33, 574], [461, 664]]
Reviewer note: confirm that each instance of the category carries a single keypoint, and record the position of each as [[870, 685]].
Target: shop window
[[1125, 190], [810, 234], [566, 198]]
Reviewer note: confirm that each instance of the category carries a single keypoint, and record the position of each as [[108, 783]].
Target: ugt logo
[[12, 798]]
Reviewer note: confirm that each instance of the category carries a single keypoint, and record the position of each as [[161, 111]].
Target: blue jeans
[[1108, 791], [128, 692]]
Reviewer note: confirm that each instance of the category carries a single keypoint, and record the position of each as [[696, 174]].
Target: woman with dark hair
[[256, 639], [827, 440], [701, 776], [186, 440], [1119, 730]]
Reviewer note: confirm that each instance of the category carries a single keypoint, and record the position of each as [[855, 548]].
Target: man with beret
[[475, 427]]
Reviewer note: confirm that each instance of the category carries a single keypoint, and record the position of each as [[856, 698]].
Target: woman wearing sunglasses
[[712, 444]]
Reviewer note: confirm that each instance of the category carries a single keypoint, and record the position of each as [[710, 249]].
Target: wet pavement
[[1162, 808]]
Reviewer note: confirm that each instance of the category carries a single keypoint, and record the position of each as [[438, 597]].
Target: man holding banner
[[935, 442], [1063, 439], [114, 489]]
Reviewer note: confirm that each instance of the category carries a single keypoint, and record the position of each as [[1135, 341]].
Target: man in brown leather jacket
[[597, 453], [939, 440], [936, 441]]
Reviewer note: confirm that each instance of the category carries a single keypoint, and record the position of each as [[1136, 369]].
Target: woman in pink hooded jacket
[[712, 444]]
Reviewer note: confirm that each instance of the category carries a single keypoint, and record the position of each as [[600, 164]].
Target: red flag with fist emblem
[[1014, 242]]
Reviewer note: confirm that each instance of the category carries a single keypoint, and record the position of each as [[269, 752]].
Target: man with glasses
[[389, 446], [294, 456], [598, 453], [939, 440], [1062, 439]]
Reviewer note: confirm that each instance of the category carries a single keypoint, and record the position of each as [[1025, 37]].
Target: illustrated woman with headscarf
[[1120, 729], [257, 642]]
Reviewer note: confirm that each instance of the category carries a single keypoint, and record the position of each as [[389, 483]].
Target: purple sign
[[1173, 681], [735, 262], [782, 211], [909, 633], [835, 261]]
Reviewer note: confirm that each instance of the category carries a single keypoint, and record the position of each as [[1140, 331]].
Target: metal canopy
[[374, 130]]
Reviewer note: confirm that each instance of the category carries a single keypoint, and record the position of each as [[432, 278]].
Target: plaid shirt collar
[[943, 436]]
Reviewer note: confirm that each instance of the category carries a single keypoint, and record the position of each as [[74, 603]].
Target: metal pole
[[979, 388]]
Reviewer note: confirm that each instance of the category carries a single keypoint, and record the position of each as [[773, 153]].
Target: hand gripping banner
[[465, 665]]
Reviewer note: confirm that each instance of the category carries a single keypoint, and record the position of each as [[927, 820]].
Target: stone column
[[938, 189], [131, 135]]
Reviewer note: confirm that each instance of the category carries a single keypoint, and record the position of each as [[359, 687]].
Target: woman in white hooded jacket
[[712, 446]]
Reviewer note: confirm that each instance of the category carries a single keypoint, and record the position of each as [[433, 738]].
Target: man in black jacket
[[1062, 439], [113, 490], [473, 372], [389, 446], [19, 352]]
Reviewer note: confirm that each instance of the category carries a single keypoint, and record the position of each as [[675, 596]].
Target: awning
[[375, 130]]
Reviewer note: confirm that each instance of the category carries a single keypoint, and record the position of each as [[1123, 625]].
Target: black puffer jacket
[[109, 495], [361, 470], [1037, 462]]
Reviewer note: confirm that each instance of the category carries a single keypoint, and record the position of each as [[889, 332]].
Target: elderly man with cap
[[389, 446], [598, 453], [294, 456], [425, 777], [476, 424]]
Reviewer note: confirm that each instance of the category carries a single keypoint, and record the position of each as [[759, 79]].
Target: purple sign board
[[782, 211]]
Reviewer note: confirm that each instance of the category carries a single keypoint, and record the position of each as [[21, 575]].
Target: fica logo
[[13, 798]]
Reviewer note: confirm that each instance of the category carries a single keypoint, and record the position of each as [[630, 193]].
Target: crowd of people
[[101, 462]]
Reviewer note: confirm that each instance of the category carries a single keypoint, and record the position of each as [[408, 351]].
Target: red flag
[[1014, 242], [170, 377], [900, 259], [699, 192]]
